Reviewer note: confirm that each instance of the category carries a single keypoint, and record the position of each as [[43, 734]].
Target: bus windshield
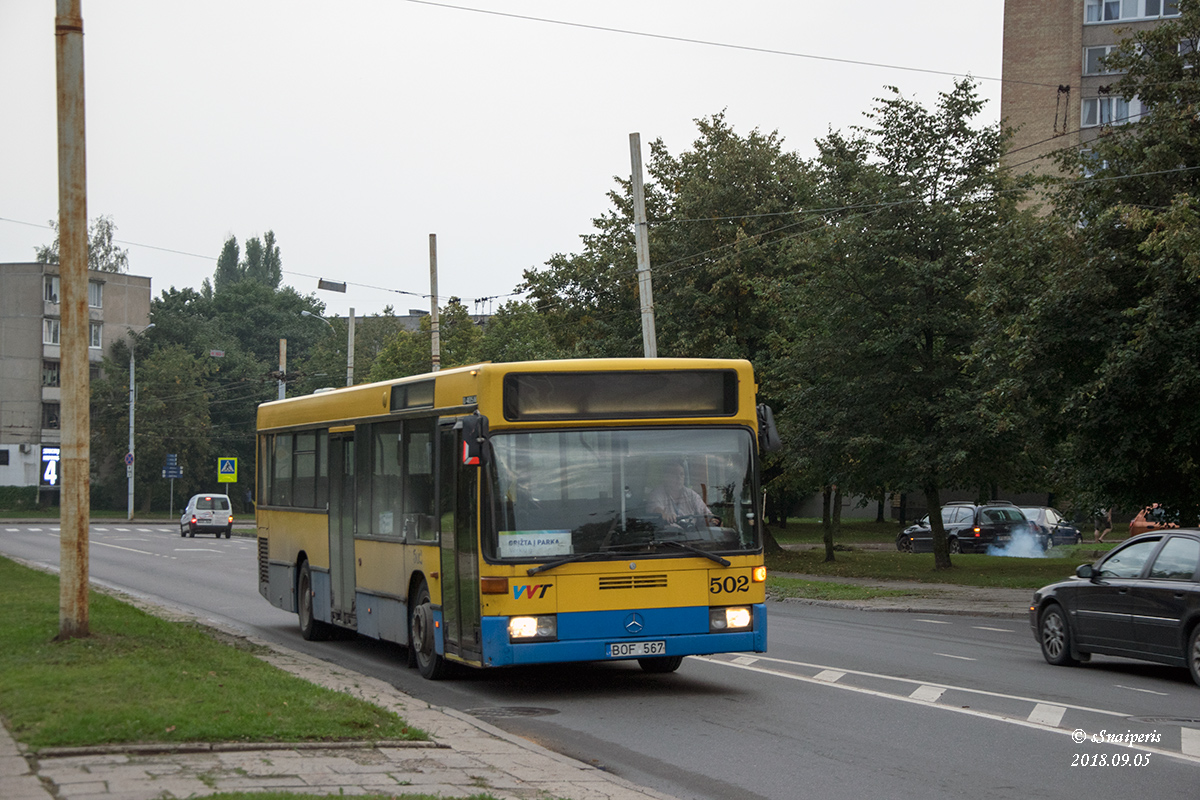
[[573, 493]]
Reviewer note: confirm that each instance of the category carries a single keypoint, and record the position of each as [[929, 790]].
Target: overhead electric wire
[[712, 43]]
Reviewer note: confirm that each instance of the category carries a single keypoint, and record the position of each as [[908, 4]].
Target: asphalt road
[[847, 704]]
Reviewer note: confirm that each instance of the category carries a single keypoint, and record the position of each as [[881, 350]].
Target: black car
[[1053, 528], [1141, 601], [970, 528]]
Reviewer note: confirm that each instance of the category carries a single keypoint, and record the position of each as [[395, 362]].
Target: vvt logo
[[538, 590]]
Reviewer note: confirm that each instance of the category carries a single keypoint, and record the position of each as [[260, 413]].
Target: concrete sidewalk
[[465, 757]]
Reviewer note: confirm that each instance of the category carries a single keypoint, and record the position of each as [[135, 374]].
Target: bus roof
[[477, 386]]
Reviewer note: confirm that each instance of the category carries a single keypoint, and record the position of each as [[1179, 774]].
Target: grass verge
[[966, 570], [139, 678], [291, 796], [779, 587], [853, 531]]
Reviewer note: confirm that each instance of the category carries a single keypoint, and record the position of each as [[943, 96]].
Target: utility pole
[[435, 340], [129, 465], [282, 368], [641, 237], [350, 351], [74, 503]]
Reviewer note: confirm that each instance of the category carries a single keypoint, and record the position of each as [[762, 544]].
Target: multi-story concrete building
[[1056, 93], [30, 388]]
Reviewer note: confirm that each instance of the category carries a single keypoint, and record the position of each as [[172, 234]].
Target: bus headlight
[[734, 618], [531, 629]]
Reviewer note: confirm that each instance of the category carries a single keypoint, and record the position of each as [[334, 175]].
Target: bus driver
[[672, 500]]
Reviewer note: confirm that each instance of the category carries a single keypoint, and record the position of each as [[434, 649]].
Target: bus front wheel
[[660, 664], [311, 628], [420, 636]]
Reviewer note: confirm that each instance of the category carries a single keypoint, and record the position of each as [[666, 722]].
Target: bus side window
[[418, 480]]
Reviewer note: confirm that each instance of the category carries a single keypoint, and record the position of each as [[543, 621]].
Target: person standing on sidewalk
[[1103, 523]]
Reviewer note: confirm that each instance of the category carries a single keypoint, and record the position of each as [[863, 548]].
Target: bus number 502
[[729, 584]]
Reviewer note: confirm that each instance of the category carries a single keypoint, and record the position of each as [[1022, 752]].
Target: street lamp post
[[349, 342], [132, 392]]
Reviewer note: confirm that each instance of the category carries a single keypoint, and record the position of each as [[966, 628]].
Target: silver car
[[207, 513]]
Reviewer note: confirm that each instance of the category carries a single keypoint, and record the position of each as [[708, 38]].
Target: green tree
[[262, 263], [172, 416], [229, 269], [103, 253], [913, 202], [410, 352], [1109, 346], [517, 332]]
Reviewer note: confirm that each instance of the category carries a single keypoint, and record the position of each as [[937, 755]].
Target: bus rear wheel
[[311, 628], [421, 645], [661, 664]]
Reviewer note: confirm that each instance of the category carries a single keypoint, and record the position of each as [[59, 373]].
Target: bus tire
[[660, 664], [421, 644], [311, 628]]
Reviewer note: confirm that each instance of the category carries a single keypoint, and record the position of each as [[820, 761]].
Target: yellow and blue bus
[[522, 513]]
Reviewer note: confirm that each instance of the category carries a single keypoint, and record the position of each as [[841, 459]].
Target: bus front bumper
[[591, 635]]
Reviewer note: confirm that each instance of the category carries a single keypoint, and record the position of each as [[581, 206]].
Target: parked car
[[207, 513], [1052, 527], [1152, 518], [1141, 601], [970, 528]]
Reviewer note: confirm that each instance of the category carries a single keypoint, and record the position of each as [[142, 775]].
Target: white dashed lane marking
[[1046, 714]]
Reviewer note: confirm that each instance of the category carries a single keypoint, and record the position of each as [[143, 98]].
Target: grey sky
[[355, 129]]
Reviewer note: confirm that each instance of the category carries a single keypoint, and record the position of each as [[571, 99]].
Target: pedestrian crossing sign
[[226, 470]]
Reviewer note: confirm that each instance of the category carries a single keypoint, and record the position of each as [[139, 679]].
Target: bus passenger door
[[341, 528], [457, 507]]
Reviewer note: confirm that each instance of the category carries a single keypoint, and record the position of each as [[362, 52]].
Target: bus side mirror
[[768, 434], [474, 439]]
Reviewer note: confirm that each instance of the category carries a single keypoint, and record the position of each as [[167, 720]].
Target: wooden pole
[[74, 502]]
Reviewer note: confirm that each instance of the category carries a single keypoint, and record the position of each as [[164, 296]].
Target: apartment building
[[1056, 94], [30, 357]]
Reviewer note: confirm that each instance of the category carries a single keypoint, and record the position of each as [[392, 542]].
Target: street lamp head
[[307, 313]]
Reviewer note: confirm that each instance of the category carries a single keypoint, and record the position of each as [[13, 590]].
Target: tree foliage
[[262, 264], [103, 253], [885, 320], [410, 352], [210, 359], [1110, 341]]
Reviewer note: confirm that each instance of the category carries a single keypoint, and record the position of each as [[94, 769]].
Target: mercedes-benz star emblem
[[634, 623]]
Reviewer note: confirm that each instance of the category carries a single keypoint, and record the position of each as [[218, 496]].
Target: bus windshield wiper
[[567, 560], [711, 556], [589, 555]]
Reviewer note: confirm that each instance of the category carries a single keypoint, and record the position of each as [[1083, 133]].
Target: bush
[[18, 498]]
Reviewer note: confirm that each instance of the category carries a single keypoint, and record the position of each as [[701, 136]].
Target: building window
[[1110, 111], [1115, 10], [95, 294], [95, 330], [50, 331], [1092, 57], [4, 457], [52, 288], [50, 416], [93, 371], [51, 375]]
